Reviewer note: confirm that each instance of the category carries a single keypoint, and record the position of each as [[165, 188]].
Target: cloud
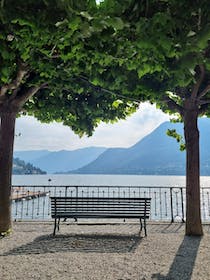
[[55, 136]]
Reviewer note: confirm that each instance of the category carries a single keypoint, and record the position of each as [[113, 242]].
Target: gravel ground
[[98, 251]]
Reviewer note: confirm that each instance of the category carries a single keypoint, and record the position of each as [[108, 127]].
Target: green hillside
[[22, 168]]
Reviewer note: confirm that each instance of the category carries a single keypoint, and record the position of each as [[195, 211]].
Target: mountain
[[21, 168], [29, 156], [156, 153], [60, 161]]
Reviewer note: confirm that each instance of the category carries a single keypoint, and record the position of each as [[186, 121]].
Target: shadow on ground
[[184, 261], [78, 243], [166, 228]]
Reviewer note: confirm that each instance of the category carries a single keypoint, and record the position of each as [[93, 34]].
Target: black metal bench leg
[[145, 229], [58, 227], [55, 225], [141, 226]]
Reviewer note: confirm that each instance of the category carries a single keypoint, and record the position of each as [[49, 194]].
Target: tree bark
[[7, 130], [191, 132]]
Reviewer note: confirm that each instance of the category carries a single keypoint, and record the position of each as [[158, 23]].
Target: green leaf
[[74, 24], [204, 37], [80, 90], [116, 103], [25, 56], [23, 22], [116, 23], [145, 69], [86, 15], [191, 33], [60, 23], [5, 54], [95, 82]]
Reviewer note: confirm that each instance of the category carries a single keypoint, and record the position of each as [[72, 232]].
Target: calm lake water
[[104, 180]]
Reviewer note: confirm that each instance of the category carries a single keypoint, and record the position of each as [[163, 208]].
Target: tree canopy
[[80, 62], [161, 48], [44, 54]]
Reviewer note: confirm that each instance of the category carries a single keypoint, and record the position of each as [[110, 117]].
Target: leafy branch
[[179, 138], [101, 89], [14, 85]]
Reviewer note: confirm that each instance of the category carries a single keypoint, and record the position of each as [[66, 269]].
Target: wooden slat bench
[[92, 207]]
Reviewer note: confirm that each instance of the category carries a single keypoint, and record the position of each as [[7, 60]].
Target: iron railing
[[167, 204]]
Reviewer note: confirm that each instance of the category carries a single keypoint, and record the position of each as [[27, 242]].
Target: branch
[[204, 92], [99, 88], [180, 91], [204, 101], [203, 109], [24, 97], [199, 19], [172, 105], [2, 3], [22, 71], [197, 85], [147, 8]]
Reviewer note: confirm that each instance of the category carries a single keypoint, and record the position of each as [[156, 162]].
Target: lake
[[104, 180]]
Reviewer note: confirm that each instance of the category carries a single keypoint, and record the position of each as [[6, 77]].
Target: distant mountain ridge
[[60, 161], [32, 155], [155, 154]]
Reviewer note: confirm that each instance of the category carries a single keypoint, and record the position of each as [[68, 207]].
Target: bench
[[100, 207]]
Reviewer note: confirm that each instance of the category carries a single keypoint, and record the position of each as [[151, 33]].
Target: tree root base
[[5, 233]]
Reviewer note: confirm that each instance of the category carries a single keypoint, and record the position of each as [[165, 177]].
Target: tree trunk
[[191, 132], [7, 130]]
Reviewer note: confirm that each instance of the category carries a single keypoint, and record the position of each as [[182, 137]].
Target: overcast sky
[[55, 136]]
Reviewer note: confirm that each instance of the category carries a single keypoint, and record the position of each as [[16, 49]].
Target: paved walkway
[[104, 251]]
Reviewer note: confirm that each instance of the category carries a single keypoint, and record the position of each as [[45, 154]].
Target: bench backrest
[[101, 205]]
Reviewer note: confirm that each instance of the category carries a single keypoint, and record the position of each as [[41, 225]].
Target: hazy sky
[[55, 136]]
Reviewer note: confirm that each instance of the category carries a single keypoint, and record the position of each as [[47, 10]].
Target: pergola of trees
[[80, 62]]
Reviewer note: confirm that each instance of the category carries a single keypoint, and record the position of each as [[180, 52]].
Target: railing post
[[76, 187], [182, 201], [172, 213]]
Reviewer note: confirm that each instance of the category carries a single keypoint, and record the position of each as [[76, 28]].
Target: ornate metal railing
[[168, 203]]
